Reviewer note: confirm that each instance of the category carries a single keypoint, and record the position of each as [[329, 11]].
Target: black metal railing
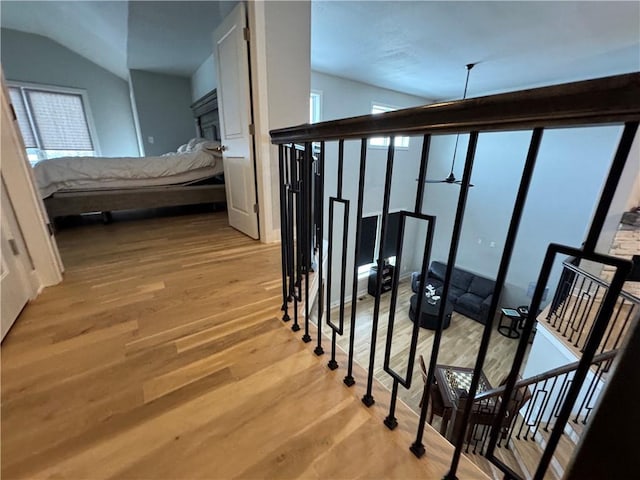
[[532, 409], [575, 305], [612, 100]]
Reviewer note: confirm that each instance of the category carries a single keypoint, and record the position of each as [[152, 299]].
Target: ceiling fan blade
[[459, 182], [435, 181]]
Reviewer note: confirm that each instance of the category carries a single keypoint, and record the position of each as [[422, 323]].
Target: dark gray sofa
[[469, 293]]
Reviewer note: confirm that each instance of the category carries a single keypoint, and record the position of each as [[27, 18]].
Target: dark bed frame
[[205, 111]]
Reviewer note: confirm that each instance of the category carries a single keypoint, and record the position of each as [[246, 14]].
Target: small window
[[383, 142], [53, 122], [315, 107]]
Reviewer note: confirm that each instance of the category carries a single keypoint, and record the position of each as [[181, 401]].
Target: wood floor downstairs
[[161, 355]]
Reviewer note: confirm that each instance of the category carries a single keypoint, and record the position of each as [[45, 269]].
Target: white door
[[230, 51], [15, 289]]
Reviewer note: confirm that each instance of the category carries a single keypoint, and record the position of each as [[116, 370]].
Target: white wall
[[346, 98], [547, 353], [33, 58], [280, 50], [203, 79]]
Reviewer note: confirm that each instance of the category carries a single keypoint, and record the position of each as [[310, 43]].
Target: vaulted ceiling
[[414, 47], [171, 37]]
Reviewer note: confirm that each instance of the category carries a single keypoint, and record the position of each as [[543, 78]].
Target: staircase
[[523, 439]]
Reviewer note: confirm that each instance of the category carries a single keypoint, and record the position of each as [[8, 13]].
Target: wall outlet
[[150, 139]]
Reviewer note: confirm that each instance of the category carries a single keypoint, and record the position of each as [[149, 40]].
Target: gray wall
[[164, 113], [571, 167], [346, 98], [33, 58], [204, 79]]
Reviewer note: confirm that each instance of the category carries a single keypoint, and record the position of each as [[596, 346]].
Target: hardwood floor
[[161, 355], [459, 344]]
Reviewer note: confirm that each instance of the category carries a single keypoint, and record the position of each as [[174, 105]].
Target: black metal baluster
[[543, 406], [348, 379], [306, 236], [417, 448], [565, 305], [503, 269], [293, 238], [390, 421], [337, 329], [590, 391], [422, 174], [528, 412], [552, 389], [320, 227], [289, 222], [538, 399], [583, 324], [575, 310], [624, 326], [367, 399], [613, 323], [283, 232], [582, 318]]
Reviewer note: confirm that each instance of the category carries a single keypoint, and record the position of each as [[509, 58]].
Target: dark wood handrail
[[605, 100], [494, 392]]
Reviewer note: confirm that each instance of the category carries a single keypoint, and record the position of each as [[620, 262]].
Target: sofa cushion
[[461, 279], [455, 293], [482, 287], [437, 270], [471, 302]]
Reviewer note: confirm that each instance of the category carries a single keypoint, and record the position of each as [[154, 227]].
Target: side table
[[508, 325]]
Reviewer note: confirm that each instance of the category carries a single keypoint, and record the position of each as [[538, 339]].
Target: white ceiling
[[423, 47], [414, 47]]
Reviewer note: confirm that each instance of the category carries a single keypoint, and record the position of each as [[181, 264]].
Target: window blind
[[60, 120], [22, 117]]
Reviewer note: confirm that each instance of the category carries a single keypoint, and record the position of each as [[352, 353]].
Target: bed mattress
[[99, 173]]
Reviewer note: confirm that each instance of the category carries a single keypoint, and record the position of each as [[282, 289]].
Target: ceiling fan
[[451, 178]]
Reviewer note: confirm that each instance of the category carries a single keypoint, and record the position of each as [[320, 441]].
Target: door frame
[[30, 213]]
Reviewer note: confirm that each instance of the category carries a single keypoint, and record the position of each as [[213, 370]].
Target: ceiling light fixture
[[451, 178]]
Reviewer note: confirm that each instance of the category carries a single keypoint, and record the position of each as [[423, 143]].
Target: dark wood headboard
[[205, 112]]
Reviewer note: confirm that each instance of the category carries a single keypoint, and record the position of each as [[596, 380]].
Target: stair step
[[528, 453], [505, 455], [564, 450]]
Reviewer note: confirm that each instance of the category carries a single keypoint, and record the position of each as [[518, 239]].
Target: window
[[315, 106], [401, 142], [53, 122]]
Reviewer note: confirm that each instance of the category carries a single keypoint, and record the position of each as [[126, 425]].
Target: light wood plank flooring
[[459, 344], [161, 355]]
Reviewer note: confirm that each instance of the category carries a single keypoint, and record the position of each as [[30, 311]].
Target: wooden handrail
[[614, 99], [494, 392]]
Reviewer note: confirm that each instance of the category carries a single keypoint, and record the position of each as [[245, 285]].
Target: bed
[[191, 175]]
